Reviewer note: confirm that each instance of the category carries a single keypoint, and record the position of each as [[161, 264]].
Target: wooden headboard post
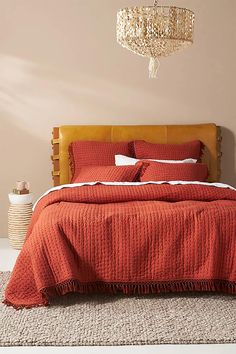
[[209, 134], [55, 157]]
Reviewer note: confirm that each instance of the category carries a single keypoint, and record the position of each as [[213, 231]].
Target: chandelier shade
[[155, 31]]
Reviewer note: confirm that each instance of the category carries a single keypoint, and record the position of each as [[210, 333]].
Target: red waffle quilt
[[133, 239]]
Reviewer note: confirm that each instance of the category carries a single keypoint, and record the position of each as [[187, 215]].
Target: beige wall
[[60, 64]]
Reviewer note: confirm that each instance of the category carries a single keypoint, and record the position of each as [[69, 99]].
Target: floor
[[7, 260]]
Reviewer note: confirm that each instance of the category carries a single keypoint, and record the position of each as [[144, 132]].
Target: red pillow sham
[[109, 173], [96, 153], [158, 171], [144, 150]]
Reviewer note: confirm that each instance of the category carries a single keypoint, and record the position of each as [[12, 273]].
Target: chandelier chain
[[155, 3]]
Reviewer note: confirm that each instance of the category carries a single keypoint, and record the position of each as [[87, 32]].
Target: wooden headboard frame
[[209, 134]]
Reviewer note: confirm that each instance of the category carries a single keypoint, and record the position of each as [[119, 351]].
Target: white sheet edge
[[73, 185], [122, 160]]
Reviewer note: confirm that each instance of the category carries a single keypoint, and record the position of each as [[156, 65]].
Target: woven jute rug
[[117, 320]]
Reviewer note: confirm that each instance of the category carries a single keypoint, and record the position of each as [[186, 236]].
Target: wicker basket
[[19, 216]]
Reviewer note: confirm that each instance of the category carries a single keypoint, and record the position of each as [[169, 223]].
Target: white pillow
[[121, 160]]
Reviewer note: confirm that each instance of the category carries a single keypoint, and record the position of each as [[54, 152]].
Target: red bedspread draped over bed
[[130, 239]]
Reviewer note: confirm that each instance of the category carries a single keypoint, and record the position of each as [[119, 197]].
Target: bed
[[129, 237]]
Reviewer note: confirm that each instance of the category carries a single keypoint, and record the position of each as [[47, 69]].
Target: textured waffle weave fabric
[[131, 239], [157, 171], [109, 173], [95, 153], [145, 150]]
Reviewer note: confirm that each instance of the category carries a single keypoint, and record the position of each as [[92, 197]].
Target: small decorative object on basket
[[19, 214], [22, 187]]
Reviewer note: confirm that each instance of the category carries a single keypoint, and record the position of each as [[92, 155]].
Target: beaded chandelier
[[155, 31]]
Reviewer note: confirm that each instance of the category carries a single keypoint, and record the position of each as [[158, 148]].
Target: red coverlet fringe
[[130, 239]]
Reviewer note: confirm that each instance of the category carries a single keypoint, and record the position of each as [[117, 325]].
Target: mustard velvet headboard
[[208, 134]]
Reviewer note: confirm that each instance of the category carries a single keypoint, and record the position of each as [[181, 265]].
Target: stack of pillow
[[136, 161]]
